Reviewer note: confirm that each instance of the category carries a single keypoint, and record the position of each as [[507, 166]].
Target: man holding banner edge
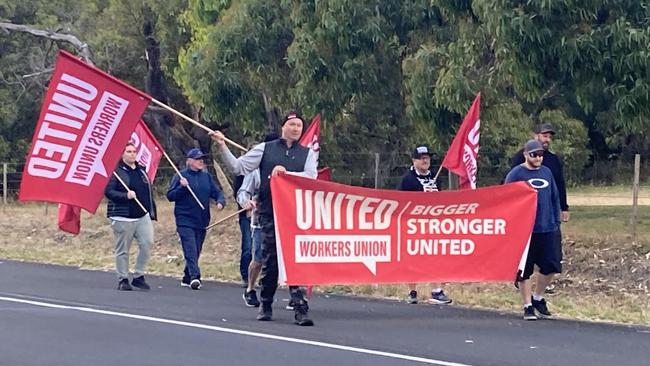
[[282, 156]]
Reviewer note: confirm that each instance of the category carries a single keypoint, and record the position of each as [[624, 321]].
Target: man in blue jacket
[[191, 219], [543, 251]]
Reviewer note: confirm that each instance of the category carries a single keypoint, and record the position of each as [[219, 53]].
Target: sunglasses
[[536, 154]]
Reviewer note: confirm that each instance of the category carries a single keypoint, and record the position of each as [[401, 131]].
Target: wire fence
[[384, 171]]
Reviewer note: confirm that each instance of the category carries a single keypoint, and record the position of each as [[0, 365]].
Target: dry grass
[[606, 273]]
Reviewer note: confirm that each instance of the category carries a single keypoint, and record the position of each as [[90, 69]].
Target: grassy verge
[[606, 274]]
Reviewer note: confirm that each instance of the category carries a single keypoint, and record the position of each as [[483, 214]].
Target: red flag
[[149, 149], [86, 119], [311, 137], [463, 152], [69, 218], [149, 154]]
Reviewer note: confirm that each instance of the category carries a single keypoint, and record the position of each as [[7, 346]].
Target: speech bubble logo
[[364, 249]]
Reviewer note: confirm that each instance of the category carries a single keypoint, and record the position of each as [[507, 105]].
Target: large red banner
[[329, 233], [86, 118]]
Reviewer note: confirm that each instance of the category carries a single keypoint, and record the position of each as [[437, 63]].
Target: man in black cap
[[282, 156], [544, 250], [419, 178], [191, 219]]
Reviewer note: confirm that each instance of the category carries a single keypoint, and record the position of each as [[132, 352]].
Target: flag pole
[[165, 106], [128, 189], [437, 174], [179, 174], [224, 219]]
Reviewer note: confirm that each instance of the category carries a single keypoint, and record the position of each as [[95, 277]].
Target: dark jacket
[[188, 213], [137, 181], [412, 181], [556, 166]]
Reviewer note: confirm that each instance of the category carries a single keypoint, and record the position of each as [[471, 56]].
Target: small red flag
[[463, 152]]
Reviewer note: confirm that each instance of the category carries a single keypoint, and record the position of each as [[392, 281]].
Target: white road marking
[[236, 331]]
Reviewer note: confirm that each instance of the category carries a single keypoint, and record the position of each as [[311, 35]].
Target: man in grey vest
[[282, 156]]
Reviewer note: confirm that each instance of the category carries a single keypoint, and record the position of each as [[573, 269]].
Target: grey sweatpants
[[124, 232]]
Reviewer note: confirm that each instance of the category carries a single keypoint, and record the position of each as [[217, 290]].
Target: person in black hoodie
[[191, 219], [419, 178], [128, 219]]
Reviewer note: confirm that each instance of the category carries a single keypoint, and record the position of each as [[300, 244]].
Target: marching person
[[281, 156], [544, 133], [544, 250], [128, 220], [191, 219], [247, 198], [419, 178]]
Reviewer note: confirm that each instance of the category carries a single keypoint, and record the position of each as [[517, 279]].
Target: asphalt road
[[53, 315]]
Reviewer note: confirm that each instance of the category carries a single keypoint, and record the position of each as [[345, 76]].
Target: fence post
[[453, 181], [4, 185], [635, 195], [376, 170]]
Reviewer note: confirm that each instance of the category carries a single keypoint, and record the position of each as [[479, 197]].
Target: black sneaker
[[301, 314], [250, 298], [266, 312], [440, 298], [123, 285], [140, 283], [413, 297], [529, 313], [541, 308], [185, 282], [195, 284]]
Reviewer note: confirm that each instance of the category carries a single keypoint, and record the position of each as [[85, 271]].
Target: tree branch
[[81, 47]]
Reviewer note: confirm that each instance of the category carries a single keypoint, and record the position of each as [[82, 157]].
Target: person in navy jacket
[[191, 219], [544, 251]]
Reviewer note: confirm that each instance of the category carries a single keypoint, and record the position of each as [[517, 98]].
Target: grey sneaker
[[413, 297], [440, 298], [529, 313], [266, 312]]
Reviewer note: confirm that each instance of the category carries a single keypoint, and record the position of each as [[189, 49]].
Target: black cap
[[291, 115], [533, 145], [544, 128], [421, 150]]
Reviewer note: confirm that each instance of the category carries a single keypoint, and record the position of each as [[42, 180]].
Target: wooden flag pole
[[127, 188], [225, 218], [165, 106], [179, 174]]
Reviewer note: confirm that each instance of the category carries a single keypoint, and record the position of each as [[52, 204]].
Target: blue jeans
[[192, 243], [246, 255]]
